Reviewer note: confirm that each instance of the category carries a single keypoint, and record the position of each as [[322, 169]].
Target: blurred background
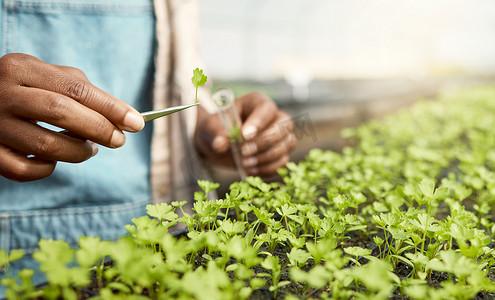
[[334, 64]]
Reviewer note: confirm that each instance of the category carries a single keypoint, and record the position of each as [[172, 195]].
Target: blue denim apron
[[112, 42]]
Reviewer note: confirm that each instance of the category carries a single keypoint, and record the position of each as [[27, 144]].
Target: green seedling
[[198, 79], [272, 263]]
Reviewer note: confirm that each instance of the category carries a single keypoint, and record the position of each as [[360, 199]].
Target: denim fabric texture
[[113, 43]]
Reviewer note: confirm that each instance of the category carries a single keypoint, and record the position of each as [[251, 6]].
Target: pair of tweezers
[[154, 114]]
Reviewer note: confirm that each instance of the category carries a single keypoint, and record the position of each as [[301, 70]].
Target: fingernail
[[220, 144], [248, 131], [248, 149], [133, 121], [94, 147], [118, 139], [250, 162]]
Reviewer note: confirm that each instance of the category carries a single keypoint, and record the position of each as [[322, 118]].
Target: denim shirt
[[112, 42]]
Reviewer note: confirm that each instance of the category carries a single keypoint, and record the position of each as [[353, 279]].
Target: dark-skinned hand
[[267, 132], [31, 91]]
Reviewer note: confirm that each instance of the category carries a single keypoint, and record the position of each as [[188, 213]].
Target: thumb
[[211, 137], [220, 143]]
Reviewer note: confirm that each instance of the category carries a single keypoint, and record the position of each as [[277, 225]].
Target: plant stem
[[424, 234]]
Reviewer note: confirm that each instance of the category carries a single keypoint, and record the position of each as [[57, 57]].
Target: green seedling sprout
[[198, 79], [224, 100]]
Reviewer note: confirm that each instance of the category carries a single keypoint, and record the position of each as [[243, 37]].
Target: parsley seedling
[[198, 79]]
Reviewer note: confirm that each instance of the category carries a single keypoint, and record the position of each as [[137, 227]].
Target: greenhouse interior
[[322, 149]]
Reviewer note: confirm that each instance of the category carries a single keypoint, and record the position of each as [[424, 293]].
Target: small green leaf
[[91, 250], [357, 251], [379, 241], [426, 187], [208, 186], [178, 203], [258, 183], [198, 79], [232, 228], [15, 255], [11, 257], [257, 282], [298, 257], [161, 211]]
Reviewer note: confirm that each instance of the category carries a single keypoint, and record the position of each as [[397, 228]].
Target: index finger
[[257, 112], [38, 74]]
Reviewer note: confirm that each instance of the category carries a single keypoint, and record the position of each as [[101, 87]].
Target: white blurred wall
[[328, 39]]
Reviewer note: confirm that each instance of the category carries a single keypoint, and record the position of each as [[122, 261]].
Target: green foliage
[[198, 79], [235, 134], [6, 258], [414, 192]]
